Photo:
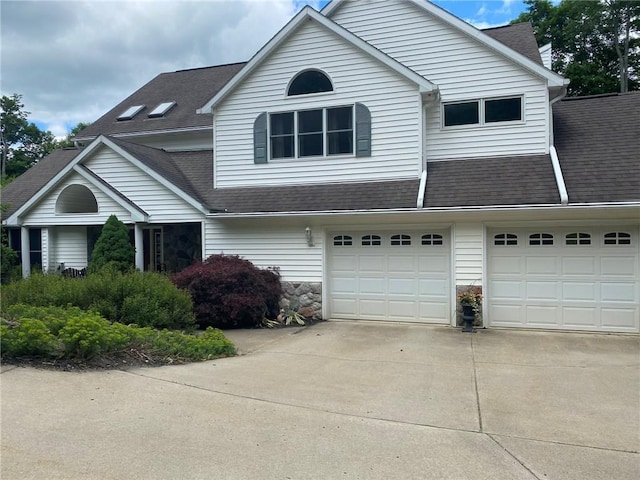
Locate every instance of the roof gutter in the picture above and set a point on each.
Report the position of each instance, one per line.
(479, 208)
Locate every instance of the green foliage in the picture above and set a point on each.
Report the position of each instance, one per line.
(596, 44)
(23, 143)
(29, 336)
(89, 335)
(113, 249)
(68, 141)
(68, 332)
(8, 256)
(144, 299)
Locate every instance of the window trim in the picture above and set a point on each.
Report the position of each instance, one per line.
(482, 123)
(614, 239)
(581, 239)
(325, 134)
(506, 239)
(544, 239)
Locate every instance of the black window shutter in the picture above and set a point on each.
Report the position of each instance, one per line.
(363, 131)
(260, 139)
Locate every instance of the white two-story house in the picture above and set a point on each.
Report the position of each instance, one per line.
(384, 155)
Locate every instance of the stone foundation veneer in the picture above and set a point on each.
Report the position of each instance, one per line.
(304, 298)
(478, 321)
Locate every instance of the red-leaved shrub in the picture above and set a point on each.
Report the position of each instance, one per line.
(230, 292)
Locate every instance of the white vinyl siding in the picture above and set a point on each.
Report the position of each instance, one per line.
(69, 246)
(469, 253)
(45, 212)
(268, 246)
(161, 204)
(462, 68)
(393, 101)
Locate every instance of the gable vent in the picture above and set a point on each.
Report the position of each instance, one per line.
(161, 110)
(130, 112)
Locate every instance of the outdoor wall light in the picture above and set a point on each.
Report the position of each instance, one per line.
(309, 235)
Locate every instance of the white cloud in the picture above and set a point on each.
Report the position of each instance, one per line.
(74, 60)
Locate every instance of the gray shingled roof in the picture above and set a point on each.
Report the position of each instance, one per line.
(598, 144)
(189, 88)
(522, 180)
(18, 192)
(518, 37)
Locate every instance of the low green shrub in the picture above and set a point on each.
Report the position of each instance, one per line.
(145, 299)
(88, 335)
(29, 336)
(69, 332)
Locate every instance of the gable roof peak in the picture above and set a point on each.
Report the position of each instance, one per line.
(308, 13)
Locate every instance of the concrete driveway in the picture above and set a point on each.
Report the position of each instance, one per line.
(347, 400)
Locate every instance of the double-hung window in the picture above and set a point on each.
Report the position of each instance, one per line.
(312, 133)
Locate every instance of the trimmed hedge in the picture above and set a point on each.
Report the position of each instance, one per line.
(230, 292)
(144, 299)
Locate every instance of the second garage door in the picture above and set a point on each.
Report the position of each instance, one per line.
(583, 278)
(401, 275)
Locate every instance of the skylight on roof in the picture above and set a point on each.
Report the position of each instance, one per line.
(161, 109)
(130, 112)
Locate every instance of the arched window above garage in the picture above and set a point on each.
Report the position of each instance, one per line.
(76, 199)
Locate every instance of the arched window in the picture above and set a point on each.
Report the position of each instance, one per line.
(432, 239)
(342, 241)
(540, 239)
(76, 199)
(371, 240)
(505, 239)
(400, 239)
(617, 238)
(578, 238)
(309, 81)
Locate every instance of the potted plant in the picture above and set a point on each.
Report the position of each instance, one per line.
(470, 300)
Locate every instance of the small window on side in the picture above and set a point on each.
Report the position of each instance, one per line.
(505, 239)
(461, 114)
(432, 239)
(503, 110)
(342, 241)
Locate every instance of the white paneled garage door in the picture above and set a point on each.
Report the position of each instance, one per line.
(583, 278)
(401, 275)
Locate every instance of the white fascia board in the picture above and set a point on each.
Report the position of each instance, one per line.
(15, 219)
(553, 79)
(308, 13)
(153, 174)
(137, 213)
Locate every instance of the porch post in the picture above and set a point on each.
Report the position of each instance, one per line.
(25, 247)
(137, 231)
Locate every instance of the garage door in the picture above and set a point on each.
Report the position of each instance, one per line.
(576, 279)
(401, 275)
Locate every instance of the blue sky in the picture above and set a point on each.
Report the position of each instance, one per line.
(74, 60)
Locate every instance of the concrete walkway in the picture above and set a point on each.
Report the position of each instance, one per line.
(348, 400)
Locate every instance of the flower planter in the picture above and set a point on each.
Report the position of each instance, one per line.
(468, 316)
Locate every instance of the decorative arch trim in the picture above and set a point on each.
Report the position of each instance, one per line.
(76, 198)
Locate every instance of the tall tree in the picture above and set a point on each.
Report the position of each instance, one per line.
(23, 143)
(68, 141)
(596, 44)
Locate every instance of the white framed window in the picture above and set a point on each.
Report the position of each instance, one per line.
(343, 241)
(371, 240)
(483, 111)
(431, 239)
(617, 238)
(400, 239)
(505, 239)
(578, 238)
(312, 133)
(309, 81)
(540, 239)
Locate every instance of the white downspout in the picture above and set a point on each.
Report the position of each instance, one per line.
(557, 171)
(422, 188)
(555, 161)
